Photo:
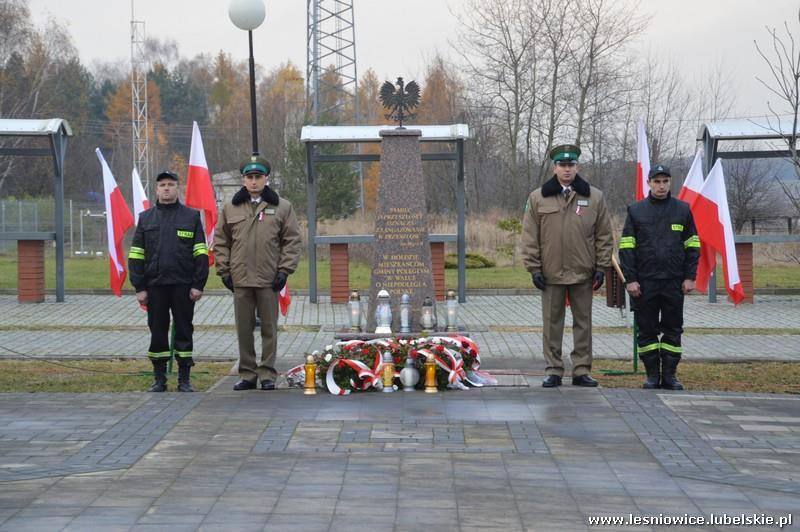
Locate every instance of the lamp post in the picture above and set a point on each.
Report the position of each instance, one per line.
(248, 15)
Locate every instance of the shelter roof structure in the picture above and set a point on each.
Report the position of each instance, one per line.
(57, 130)
(435, 133)
(769, 127)
(13, 127)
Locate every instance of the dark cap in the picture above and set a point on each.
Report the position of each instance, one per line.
(166, 174)
(659, 169)
(255, 164)
(565, 152)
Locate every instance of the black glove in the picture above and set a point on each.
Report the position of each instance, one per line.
(538, 280)
(597, 280)
(279, 282)
(228, 282)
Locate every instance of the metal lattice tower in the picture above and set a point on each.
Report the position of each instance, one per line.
(141, 145)
(331, 42)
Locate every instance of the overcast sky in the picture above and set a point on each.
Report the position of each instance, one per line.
(398, 37)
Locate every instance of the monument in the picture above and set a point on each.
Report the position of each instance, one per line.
(401, 262)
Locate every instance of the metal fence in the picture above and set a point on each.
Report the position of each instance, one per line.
(84, 224)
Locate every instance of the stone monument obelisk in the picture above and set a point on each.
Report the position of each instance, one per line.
(401, 261)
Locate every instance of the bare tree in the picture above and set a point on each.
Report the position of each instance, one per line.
(750, 192)
(665, 107)
(604, 28)
(496, 47)
(29, 60)
(783, 61)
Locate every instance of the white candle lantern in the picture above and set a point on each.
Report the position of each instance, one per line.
(383, 314)
(427, 317)
(452, 310)
(354, 307)
(405, 314)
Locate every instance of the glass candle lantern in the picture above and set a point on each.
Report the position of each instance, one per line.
(354, 307)
(383, 314)
(452, 310)
(427, 317)
(405, 314)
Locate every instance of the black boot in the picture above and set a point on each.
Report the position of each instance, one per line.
(652, 364)
(184, 372)
(160, 375)
(669, 368)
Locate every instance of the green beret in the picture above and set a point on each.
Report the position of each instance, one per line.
(565, 152)
(255, 164)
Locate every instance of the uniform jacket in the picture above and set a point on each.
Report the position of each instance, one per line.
(659, 241)
(567, 239)
(252, 243)
(169, 247)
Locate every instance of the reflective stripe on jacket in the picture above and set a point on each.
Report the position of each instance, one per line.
(168, 247)
(659, 241)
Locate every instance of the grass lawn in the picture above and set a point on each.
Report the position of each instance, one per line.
(98, 375)
(757, 377)
(92, 273)
(135, 376)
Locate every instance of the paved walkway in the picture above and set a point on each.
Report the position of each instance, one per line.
(521, 458)
(507, 458)
(508, 329)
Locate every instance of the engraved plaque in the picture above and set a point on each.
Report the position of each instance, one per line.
(401, 261)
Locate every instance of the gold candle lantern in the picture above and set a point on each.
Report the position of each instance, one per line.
(310, 386)
(387, 373)
(430, 376)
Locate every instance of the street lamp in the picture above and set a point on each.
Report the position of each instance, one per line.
(248, 15)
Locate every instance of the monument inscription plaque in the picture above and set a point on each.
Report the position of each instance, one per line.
(401, 261)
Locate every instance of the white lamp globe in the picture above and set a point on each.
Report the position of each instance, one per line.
(247, 14)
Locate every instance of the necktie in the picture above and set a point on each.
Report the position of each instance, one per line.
(567, 190)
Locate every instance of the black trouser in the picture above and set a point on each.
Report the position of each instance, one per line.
(160, 301)
(659, 311)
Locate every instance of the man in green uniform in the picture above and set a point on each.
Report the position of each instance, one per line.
(257, 245)
(566, 246)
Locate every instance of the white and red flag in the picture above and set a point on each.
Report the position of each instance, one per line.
(285, 299)
(140, 201)
(642, 163)
(199, 191)
(713, 220)
(689, 193)
(118, 220)
(694, 180)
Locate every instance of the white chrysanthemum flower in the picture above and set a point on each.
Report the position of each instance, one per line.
(328, 357)
(328, 347)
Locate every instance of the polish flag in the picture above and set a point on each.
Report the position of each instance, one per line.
(694, 180)
(199, 191)
(713, 220)
(285, 299)
(140, 201)
(118, 220)
(689, 193)
(642, 163)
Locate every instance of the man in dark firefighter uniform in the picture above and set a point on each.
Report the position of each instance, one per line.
(168, 263)
(658, 253)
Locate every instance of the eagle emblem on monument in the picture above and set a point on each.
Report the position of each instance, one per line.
(400, 101)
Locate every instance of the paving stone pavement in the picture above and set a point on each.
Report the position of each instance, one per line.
(506, 458)
(522, 458)
(508, 328)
